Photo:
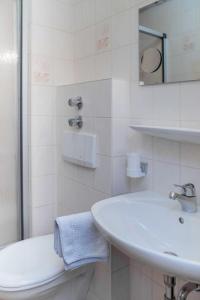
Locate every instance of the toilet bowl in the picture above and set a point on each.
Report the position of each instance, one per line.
(30, 269)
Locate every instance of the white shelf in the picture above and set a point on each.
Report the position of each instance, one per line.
(170, 133)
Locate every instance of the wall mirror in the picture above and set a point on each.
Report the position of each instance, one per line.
(169, 42)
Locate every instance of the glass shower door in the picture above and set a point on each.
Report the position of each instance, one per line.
(9, 121)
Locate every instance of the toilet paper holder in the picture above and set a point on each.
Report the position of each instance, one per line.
(136, 168)
(144, 168)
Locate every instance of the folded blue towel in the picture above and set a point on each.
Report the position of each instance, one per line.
(78, 242)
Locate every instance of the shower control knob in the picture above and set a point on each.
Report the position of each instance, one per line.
(76, 122)
(76, 102)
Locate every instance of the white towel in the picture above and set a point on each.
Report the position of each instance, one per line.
(78, 242)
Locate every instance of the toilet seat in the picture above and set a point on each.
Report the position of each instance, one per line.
(31, 270)
(28, 264)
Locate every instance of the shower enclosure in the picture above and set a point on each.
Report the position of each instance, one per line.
(10, 122)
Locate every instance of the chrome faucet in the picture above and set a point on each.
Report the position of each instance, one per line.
(187, 198)
(76, 122)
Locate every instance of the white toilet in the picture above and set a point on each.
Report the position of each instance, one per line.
(30, 269)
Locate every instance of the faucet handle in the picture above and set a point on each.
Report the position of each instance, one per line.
(188, 189)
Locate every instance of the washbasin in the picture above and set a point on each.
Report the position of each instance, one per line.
(153, 229)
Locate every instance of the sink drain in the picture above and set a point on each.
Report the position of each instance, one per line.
(170, 253)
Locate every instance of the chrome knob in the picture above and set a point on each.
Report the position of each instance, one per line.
(76, 122)
(76, 102)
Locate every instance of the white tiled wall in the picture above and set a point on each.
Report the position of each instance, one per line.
(78, 188)
(109, 28)
(51, 60)
(104, 34)
(115, 36)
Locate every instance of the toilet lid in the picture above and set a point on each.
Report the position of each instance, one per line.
(29, 263)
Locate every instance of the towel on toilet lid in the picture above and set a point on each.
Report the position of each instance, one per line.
(78, 242)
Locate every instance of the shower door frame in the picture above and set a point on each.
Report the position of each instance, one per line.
(163, 38)
(22, 166)
(23, 138)
(20, 122)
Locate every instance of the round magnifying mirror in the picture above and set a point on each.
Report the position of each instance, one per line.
(151, 60)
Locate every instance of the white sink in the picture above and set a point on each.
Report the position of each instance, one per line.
(146, 226)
